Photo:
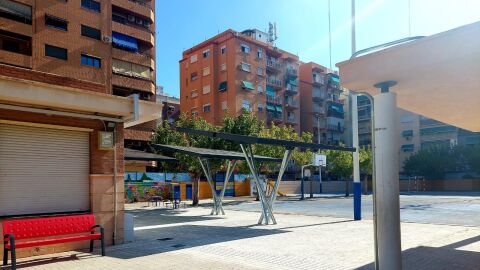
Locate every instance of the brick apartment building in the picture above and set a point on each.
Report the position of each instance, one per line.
(233, 71)
(67, 73)
(321, 104)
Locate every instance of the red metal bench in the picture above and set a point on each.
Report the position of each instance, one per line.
(23, 233)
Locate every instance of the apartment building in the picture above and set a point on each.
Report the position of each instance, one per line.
(233, 71)
(321, 105)
(67, 73)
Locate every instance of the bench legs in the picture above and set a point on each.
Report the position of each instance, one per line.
(5, 256)
(102, 241)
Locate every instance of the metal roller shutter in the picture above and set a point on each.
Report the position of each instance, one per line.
(43, 170)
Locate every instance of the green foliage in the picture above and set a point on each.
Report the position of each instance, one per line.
(431, 162)
(366, 160)
(339, 163)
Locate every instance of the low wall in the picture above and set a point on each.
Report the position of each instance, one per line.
(294, 187)
(441, 185)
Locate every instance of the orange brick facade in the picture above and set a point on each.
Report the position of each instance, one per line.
(220, 60)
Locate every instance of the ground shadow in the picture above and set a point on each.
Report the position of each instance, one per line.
(171, 238)
(50, 260)
(439, 258)
(162, 216)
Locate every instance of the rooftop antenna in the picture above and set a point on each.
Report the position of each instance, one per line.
(272, 32)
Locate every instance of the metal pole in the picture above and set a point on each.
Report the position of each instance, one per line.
(354, 49)
(318, 128)
(329, 34)
(357, 185)
(115, 208)
(320, 178)
(387, 203)
(302, 185)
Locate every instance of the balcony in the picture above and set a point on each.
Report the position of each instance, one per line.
(15, 59)
(318, 96)
(274, 100)
(334, 128)
(143, 59)
(291, 120)
(318, 79)
(274, 117)
(291, 104)
(143, 8)
(318, 110)
(291, 72)
(274, 82)
(133, 83)
(144, 36)
(273, 66)
(291, 89)
(16, 27)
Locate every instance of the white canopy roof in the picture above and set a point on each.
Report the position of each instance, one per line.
(438, 76)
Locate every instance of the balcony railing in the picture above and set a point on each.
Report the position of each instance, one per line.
(274, 82)
(274, 116)
(318, 110)
(332, 128)
(291, 120)
(142, 3)
(291, 72)
(273, 64)
(318, 96)
(276, 100)
(291, 103)
(291, 89)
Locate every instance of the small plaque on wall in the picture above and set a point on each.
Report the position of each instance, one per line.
(105, 140)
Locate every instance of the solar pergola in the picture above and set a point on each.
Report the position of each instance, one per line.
(137, 155)
(204, 156)
(246, 142)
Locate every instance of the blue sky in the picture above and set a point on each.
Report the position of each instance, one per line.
(302, 25)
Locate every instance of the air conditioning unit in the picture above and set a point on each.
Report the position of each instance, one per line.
(107, 39)
(131, 18)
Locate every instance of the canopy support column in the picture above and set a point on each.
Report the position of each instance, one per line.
(273, 195)
(230, 167)
(266, 208)
(205, 163)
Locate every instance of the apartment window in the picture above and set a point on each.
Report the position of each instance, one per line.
(206, 108)
(245, 48)
(223, 49)
(206, 53)
(194, 112)
(223, 86)
(91, 32)
(193, 58)
(16, 11)
(260, 107)
(260, 71)
(57, 23)
(16, 43)
(194, 93)
(245, 67)
(259, 53)
(193, 76)
(206, 71)
(260, 88)
(131, 69)
(206, 89)
(91, 5)
(92, 61)
(246, 104)
(57, 52)
(223, 67)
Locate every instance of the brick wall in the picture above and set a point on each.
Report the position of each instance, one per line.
(101, 177)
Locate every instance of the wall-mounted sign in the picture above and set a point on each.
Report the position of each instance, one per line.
(105, 140)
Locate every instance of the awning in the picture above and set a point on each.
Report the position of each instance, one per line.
(439, 71)
(247, 85)
(270, 107)
(124, 41)
(223, 86)
(279, 108)
(131, 154)
(334, 78)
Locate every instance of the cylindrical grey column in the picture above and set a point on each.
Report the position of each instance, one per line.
(387, 182)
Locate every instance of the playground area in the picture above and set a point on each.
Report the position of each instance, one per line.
(316, 233)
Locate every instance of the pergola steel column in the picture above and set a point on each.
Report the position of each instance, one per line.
(266, 200)
(217, 199)
(387, 184)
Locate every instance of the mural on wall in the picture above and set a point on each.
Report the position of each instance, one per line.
(137, 192)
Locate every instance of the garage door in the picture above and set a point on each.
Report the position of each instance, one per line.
(43, 170)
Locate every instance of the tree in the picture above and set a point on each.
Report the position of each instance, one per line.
(366, 165)
(430, 162)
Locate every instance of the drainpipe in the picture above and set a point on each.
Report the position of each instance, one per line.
(114, 237)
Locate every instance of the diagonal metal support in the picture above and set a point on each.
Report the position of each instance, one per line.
(205, 163)
(267, 210)
(273, 195)
(230, 167)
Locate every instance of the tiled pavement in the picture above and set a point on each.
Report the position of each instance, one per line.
(192, 239)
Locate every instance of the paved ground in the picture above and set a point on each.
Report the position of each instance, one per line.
(192, 239)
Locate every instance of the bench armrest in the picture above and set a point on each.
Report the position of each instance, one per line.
(92, 229)
(8, 238)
